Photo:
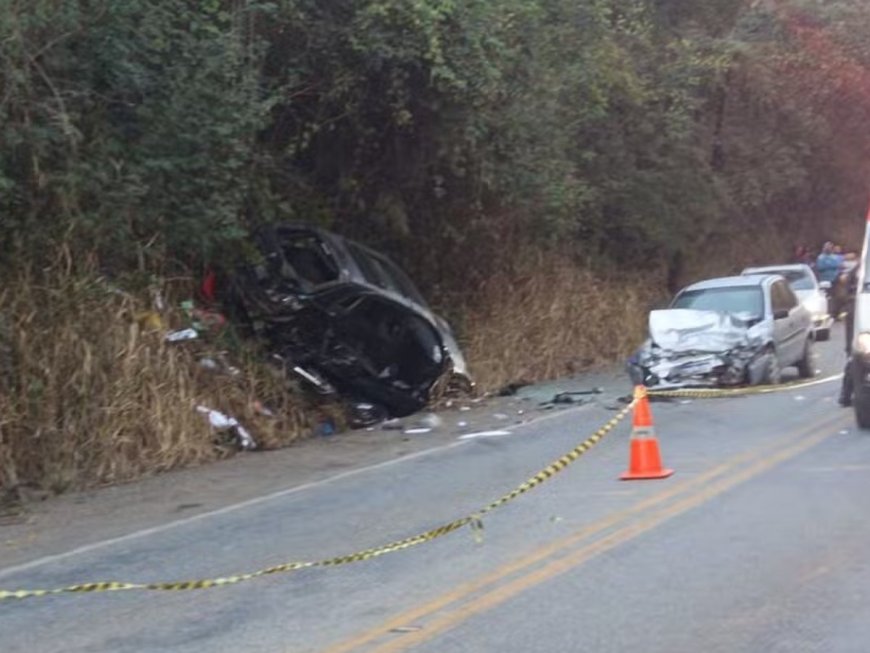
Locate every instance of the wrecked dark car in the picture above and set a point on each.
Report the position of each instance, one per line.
(345, 320)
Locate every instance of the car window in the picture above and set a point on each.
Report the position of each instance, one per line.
(401, 280)
(311, 259)
(373, 273)
(781, 297)
(381, 272)
(801, 279)
(798, 279)
(791, 300)
(740, 300)
(776, 299)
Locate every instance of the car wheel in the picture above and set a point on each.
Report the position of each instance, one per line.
(772, 372)
(823, 335)
(861, 402)
(806, 366)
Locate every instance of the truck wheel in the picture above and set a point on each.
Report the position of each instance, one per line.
(861, 402)
(806, 366)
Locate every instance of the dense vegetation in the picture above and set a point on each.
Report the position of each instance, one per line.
(506, 151)
(630, 128)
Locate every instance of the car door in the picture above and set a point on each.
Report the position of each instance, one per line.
(803, 321)
(790, 325)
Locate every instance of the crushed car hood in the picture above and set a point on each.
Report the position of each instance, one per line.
(699, 349)
(683, 331)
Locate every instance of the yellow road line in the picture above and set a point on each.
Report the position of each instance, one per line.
(464, 590)
(558, 567)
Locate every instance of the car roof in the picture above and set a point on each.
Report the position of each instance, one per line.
(785, 267)
(748, 281)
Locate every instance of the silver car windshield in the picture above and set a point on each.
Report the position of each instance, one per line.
(737, 300)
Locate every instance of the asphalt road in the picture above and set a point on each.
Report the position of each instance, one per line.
(758, 543)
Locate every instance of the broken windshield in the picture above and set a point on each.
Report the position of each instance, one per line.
(310, 259)
(735, 300)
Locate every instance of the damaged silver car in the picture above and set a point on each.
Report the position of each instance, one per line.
(726, 332)
(345, 319)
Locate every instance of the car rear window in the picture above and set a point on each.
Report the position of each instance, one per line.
(797, 279)
(744, 300)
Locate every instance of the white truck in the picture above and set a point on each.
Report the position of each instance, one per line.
(859, 360)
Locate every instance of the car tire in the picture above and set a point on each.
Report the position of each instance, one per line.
(823, 335)
(806, 366)
(861, 403)
(772, 371)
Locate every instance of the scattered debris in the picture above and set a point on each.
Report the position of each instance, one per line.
(484, 434)
(221, 422)
(258, 408)
(150, 320)
(363, 414)
(565, 398)
(326, 428)
(569, 398)
(430, 420)
(406, 629)
(417, 431)
(219, 366)
(208, 320)
(314, 380)
(209, 364)
(572, 395)
(512, 388)
(394, 424)
(182, 335)
(500, 416)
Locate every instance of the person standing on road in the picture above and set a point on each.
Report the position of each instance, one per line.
(828, 264)
(846, 388)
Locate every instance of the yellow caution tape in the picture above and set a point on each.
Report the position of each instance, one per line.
(474, 520)
(715, 393)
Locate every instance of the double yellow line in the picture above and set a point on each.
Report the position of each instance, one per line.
(448, 610)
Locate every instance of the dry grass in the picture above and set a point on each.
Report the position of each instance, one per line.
(546, 317)
(89, 397)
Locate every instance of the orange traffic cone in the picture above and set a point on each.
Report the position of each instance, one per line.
(645, 461)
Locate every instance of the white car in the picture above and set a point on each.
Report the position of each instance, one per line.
(809, 291)
(726, 332)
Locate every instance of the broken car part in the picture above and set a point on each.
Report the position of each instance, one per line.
(344, 318)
